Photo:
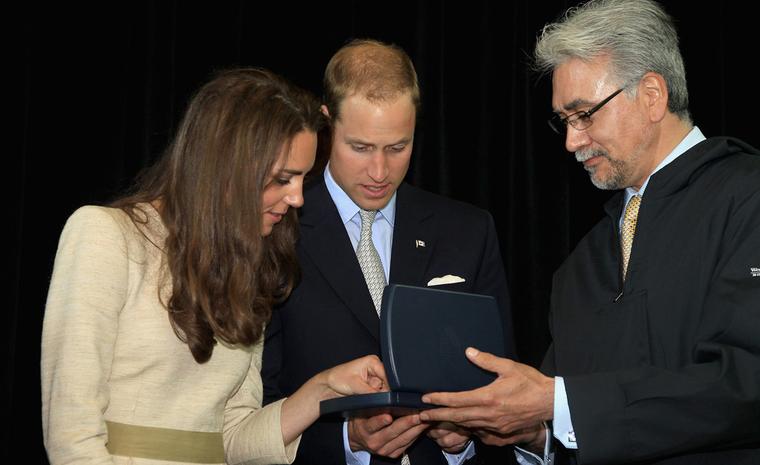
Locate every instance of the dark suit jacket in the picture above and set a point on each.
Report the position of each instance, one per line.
(330, 319)
(665, 367)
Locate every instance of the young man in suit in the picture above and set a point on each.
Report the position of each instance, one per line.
(372, 99)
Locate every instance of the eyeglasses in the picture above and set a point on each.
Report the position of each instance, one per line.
(580, 120)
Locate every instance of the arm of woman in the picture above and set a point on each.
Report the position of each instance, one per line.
(361, 376)
(269, 435)
(87, 292)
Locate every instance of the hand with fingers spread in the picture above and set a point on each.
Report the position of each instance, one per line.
(450, 438)
(384, 435)
(517, 400)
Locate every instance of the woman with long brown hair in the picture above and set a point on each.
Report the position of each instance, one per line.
(151, 345)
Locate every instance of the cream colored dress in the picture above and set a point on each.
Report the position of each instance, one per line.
(109, 354)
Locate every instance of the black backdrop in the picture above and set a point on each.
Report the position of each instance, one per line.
(97, 90)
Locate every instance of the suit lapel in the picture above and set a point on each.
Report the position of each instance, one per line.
(414, 237)
(325, 241)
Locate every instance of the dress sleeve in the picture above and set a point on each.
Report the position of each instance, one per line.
(252, 433)
(87, 291)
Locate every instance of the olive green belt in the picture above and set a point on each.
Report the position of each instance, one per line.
(164, 444)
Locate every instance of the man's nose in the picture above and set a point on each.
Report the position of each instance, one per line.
(576, 139)
(378, 167)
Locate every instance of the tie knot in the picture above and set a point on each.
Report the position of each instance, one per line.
(632, 209)
(368, 217)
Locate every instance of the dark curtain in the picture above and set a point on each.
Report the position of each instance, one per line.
(96, 91)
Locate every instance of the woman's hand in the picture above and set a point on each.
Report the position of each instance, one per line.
(364, 375)
(361, 376)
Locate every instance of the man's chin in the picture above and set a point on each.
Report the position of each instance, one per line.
(607, 184)
(373, 203)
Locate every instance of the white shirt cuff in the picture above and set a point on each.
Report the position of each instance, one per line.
(460, 458)
(563, 424)
(526, 457)
(360, 457)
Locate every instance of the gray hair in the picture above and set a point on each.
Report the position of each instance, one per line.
(637, 35)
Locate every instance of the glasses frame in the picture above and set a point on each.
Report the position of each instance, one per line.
(580, 120)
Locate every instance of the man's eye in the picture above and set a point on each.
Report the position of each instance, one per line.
(397, 148)
(360, 148)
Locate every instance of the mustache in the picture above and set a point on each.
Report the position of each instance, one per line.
(583, 155)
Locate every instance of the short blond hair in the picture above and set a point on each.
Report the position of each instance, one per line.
(377, 71)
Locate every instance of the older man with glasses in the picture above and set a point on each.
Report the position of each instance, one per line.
(655, 315)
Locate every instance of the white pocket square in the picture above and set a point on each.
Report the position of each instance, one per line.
(448, 279)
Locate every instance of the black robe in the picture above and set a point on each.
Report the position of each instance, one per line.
(665, 367)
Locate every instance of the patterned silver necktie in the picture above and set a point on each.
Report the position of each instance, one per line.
(369, 259)
(372, 268)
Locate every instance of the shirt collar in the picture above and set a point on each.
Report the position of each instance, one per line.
(694, 137)
(347, 209)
